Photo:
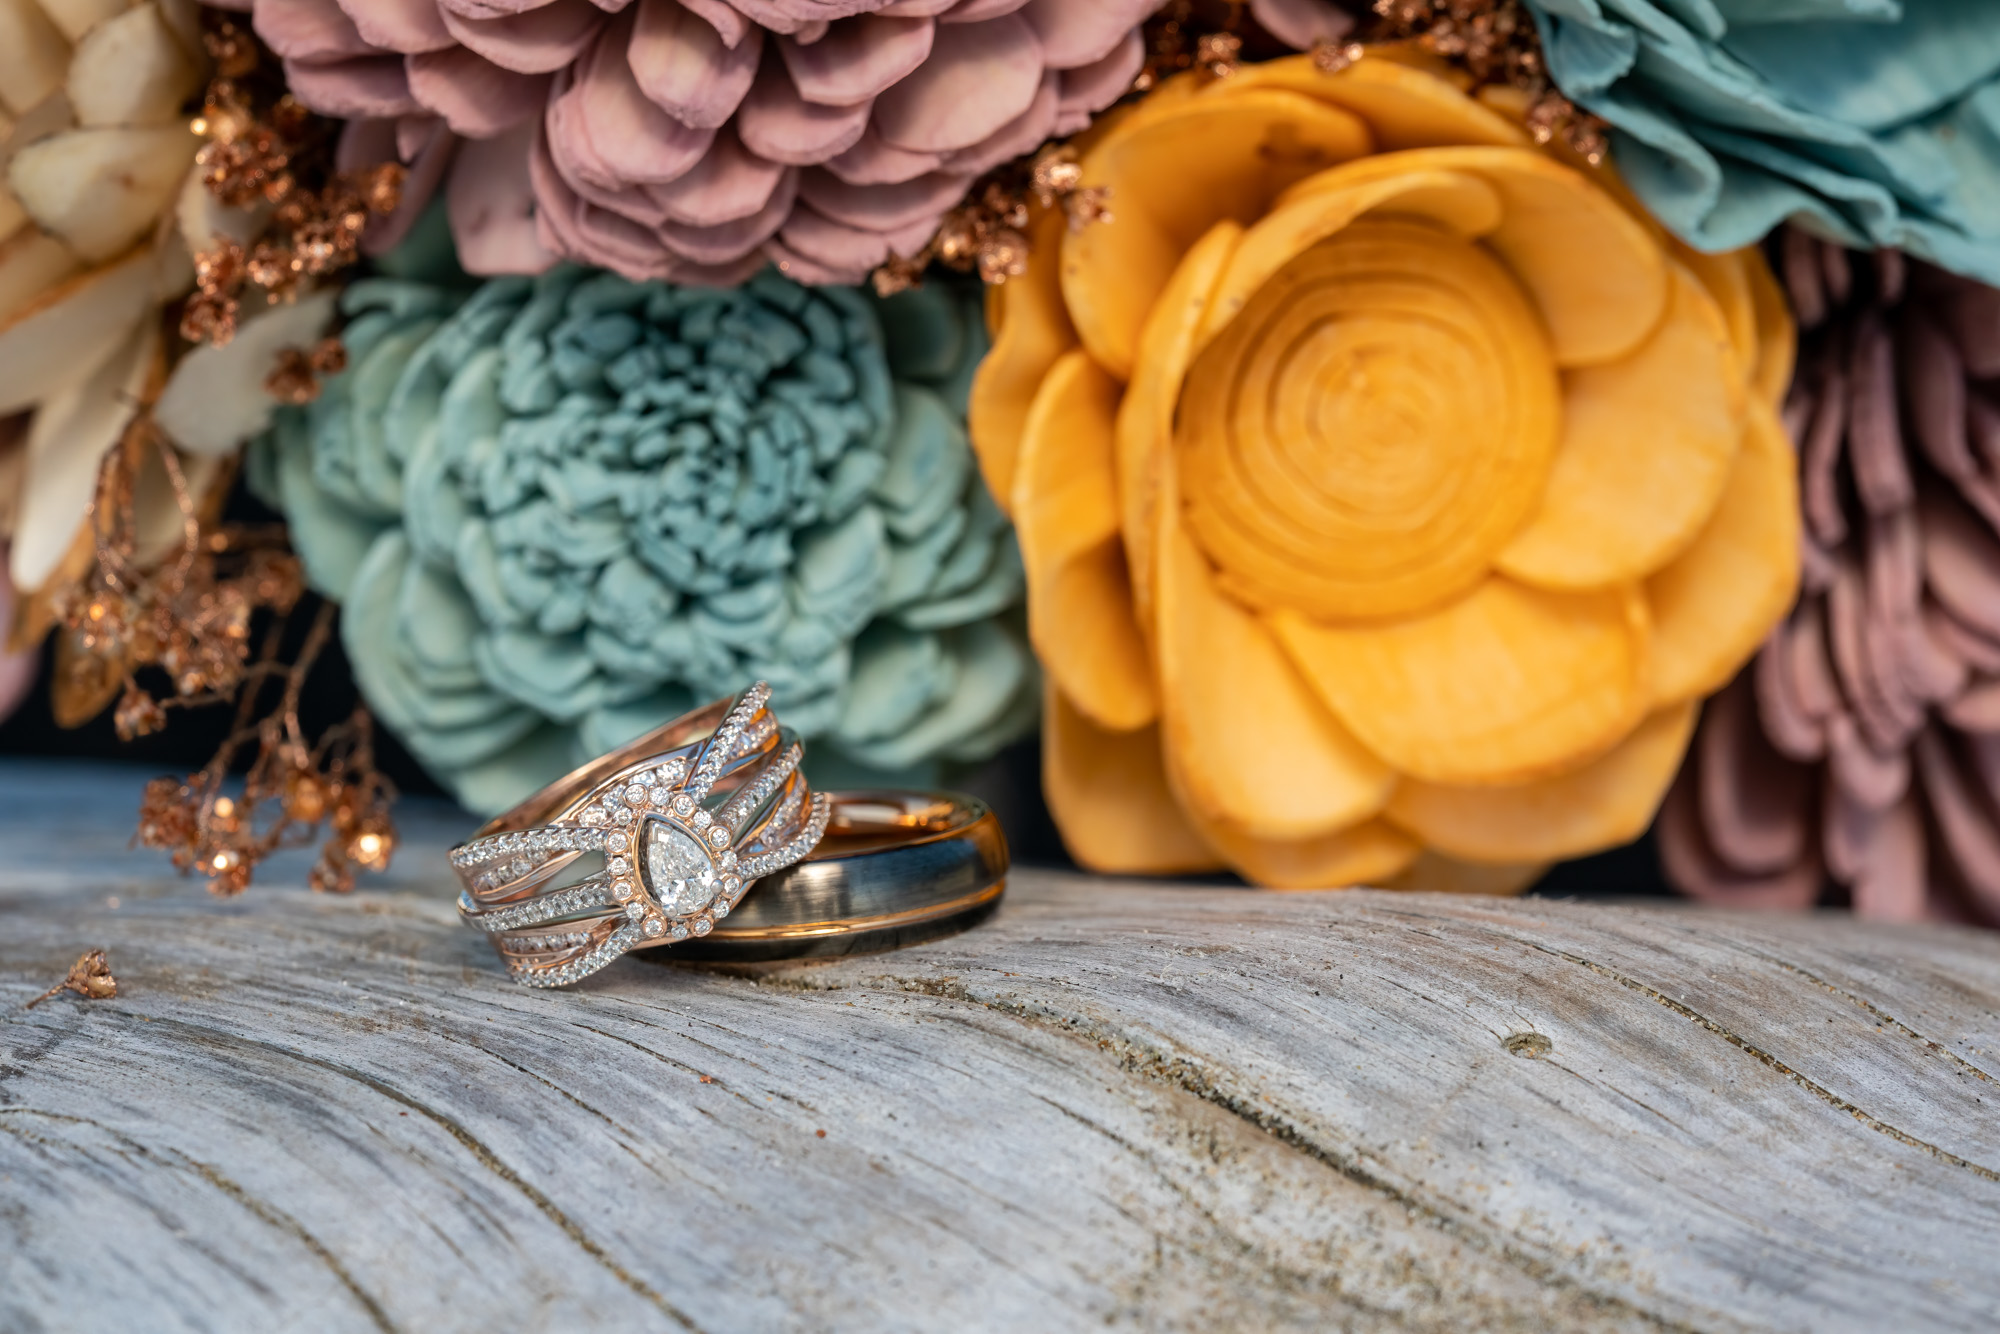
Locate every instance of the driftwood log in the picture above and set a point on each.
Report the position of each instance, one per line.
(1114, 1106)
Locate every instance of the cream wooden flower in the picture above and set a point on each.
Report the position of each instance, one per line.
(99, 209)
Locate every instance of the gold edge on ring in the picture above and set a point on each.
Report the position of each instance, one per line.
(856, 925)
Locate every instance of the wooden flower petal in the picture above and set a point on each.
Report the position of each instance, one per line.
(1080, 614)
(1647, 444)
(1756, 805)
(215, 399)
(1372, 428)
(1596, 273)
(1777, 335)
(1961, 562)
(1031, 329)
(1404, 107)
(1607, 802)
(857, 60)
(1508, 684)
(1323, 205)
(1715, 603)
(929, 112)
(686, 68)
(528, 40)
(31, 262)
(1367, 854)
(1890, 883)
(1108, 794)
(1965, 820)
(1696, 870)
(72, 432)
(131, 70)
(1726, 279)
(33, 56)
(1247, 744)
(1434, 873)
(68, 331)
(1175, 174)
(1146, 416)
(101, 190)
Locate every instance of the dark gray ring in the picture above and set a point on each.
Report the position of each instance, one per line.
(895, 868)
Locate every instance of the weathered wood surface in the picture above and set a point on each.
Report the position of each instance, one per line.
(1116, 1105)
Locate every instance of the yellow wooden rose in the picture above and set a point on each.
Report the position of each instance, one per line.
(1390, 491)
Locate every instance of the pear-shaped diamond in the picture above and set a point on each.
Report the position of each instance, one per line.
(679, 871)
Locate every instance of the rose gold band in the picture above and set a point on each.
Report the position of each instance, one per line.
(686, 819)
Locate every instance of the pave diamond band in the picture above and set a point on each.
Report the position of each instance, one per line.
(685, 820)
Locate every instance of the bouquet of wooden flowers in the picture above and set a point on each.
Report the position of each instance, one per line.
(1410, 445)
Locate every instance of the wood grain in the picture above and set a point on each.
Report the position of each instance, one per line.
(1116, 1105)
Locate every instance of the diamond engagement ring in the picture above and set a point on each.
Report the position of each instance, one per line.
(685, 819)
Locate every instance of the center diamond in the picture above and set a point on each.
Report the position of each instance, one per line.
(680, 874)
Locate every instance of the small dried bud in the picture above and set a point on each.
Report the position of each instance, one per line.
(1087, 206)
(329, 356)
(1003, 256)
(89, 977)
(138, 713)
(1333, 57)
(897, 275)
(305, 796)
(292, 379)
(372, 848)
(1219, 53)
(232, 50)
(331, 874)
(1055, 173)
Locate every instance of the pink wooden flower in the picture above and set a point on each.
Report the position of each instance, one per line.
(1864, 742)
(695, 140)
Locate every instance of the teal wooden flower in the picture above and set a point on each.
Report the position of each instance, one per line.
(1874, 122)
(561, 510)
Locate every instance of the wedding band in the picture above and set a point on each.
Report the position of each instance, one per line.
(895, 868)
(687, 819)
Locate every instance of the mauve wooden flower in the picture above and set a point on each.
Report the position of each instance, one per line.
(695, 140)
(1864, 741)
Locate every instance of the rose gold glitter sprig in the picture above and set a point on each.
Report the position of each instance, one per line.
(987, 234)
(266, 152)
(89, 977)
(1497, 43)
(1213, 36)
(293, 787)
(296, 377)
(190, 619)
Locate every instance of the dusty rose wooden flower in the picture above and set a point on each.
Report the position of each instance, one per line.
(694, 140)
(1864, 741)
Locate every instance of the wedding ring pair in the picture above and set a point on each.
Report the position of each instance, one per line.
(685, 821)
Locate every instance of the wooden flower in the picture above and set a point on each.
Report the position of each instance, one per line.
(1388, 488)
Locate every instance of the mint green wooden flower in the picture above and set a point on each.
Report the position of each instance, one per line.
(1873, 122)
(560, 510)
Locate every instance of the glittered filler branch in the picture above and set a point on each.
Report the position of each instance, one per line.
(1494, 43)
(271, 161)
(189, 619)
